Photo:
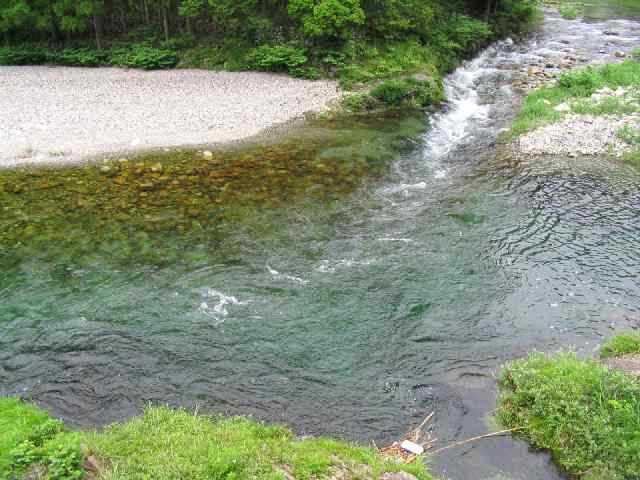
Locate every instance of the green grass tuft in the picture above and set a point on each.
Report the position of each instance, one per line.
(30, 437)
(623, 344)
(576, 87)
(165, 444)
(586, 414)
(569, 11)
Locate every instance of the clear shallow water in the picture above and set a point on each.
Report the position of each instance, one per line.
(365, 276)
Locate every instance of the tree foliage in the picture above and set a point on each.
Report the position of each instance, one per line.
(257, 21)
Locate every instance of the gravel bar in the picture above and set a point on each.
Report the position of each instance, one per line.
(578, 135)
(62, 115)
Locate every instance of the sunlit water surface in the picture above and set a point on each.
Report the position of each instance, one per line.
(346, 282)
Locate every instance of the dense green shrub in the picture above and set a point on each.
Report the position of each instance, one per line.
(279, 58)
(83, 57)
(460, 34)
(581, 83)
(397, 19)
(28, 436)
(135, 56)
(584, 413)
(327, 18)
(515, 17)
(24, 55)
(569, 11)
(359, 102)
(409, 91)
(145, 57)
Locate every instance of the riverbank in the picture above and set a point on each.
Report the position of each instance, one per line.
(585, 412)
(587, 112)
(169, 444)
(63, 115)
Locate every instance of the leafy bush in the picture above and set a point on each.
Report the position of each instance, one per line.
(409, 91)
(64, 462)
(584, 413)
(359, 102)
(82, 57)
(581, 83)
(24, 455)
(282, 58)
(460, 35)
(397, 19)
(515, 17)
(145, 57)
(568, 11)
(23, 55)
(327, 18)
(29, 437)
(623, 344)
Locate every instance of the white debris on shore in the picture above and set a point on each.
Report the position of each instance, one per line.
(62, 114)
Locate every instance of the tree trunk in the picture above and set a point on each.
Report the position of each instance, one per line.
(487, 12)
(165, 22)
(123, 17)
(97, 24)
(145, 7)
(55, 28)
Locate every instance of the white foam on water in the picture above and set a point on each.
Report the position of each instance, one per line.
(394, 239)
(326, 266)
(219, 310)
(277, 274)
(405, 187)
(452, 126)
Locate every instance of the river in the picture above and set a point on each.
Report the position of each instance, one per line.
(348, 281)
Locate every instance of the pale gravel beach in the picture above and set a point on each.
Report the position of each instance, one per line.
(61, 114)
(578, 135)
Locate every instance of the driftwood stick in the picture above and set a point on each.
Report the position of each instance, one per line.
(418, 429)
(469, 440)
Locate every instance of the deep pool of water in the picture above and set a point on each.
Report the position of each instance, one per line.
(347, 281)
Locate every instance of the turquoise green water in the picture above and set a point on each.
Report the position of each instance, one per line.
(346, 281)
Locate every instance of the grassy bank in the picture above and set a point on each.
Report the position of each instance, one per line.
(574, 94)
(175, 444)
(572, 9)
(623, 344)
(585, 413)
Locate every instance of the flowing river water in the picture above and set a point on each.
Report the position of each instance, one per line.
(347, 281)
